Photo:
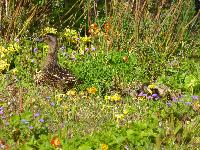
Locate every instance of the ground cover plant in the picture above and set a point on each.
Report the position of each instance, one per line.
(140, 67)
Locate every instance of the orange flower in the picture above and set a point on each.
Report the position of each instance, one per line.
(106, 27)
(93, 29)
(55, 142)
(104, 147)
(92, 90)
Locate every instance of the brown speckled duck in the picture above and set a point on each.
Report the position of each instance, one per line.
(52, 73)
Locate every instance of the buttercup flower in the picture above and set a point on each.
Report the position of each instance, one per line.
(115, 97)
(71, 93)
(104, 147)
(91, 90)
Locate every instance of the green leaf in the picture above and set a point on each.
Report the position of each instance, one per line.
(190, 81)
(84, 147)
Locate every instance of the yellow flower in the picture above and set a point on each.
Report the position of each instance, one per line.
(91, 90)
(3, 65)
(152, 86)
(14, 71)
(115, 97)
(71, 93)
(3, 51)
(196, 106)
(125, 111)
(107, 97)
(104, 147)
(85, 39)
(50, 30)
(13, 47)
(119, 116)
(59, 97)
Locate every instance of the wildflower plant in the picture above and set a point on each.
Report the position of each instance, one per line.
(110, 109)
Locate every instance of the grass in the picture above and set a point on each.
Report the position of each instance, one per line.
(141, 84)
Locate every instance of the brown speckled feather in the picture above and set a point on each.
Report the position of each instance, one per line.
(52, 73)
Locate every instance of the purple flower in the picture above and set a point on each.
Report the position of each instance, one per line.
(32, 60)
(195, 97)
(93, 48)
(1, 112)
(149, 97)
(180, 96)
(155, 95)
(174, 100)
(145, 95)
(52, 104)
(3, 117)
(41, 120)
(36, 115)
(169, 104)
(73, 57)
(35, 50)
(77, 39)
(188, 103)
(24, 121)
(141, 94)
(1, 108)
(16, 40)
(62, 48)
(87, 49)
(7, 123)
(31, 127)
(48, 97)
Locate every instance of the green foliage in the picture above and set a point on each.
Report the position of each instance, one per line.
(131, 52)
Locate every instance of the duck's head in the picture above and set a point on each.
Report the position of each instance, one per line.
(50, 39)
